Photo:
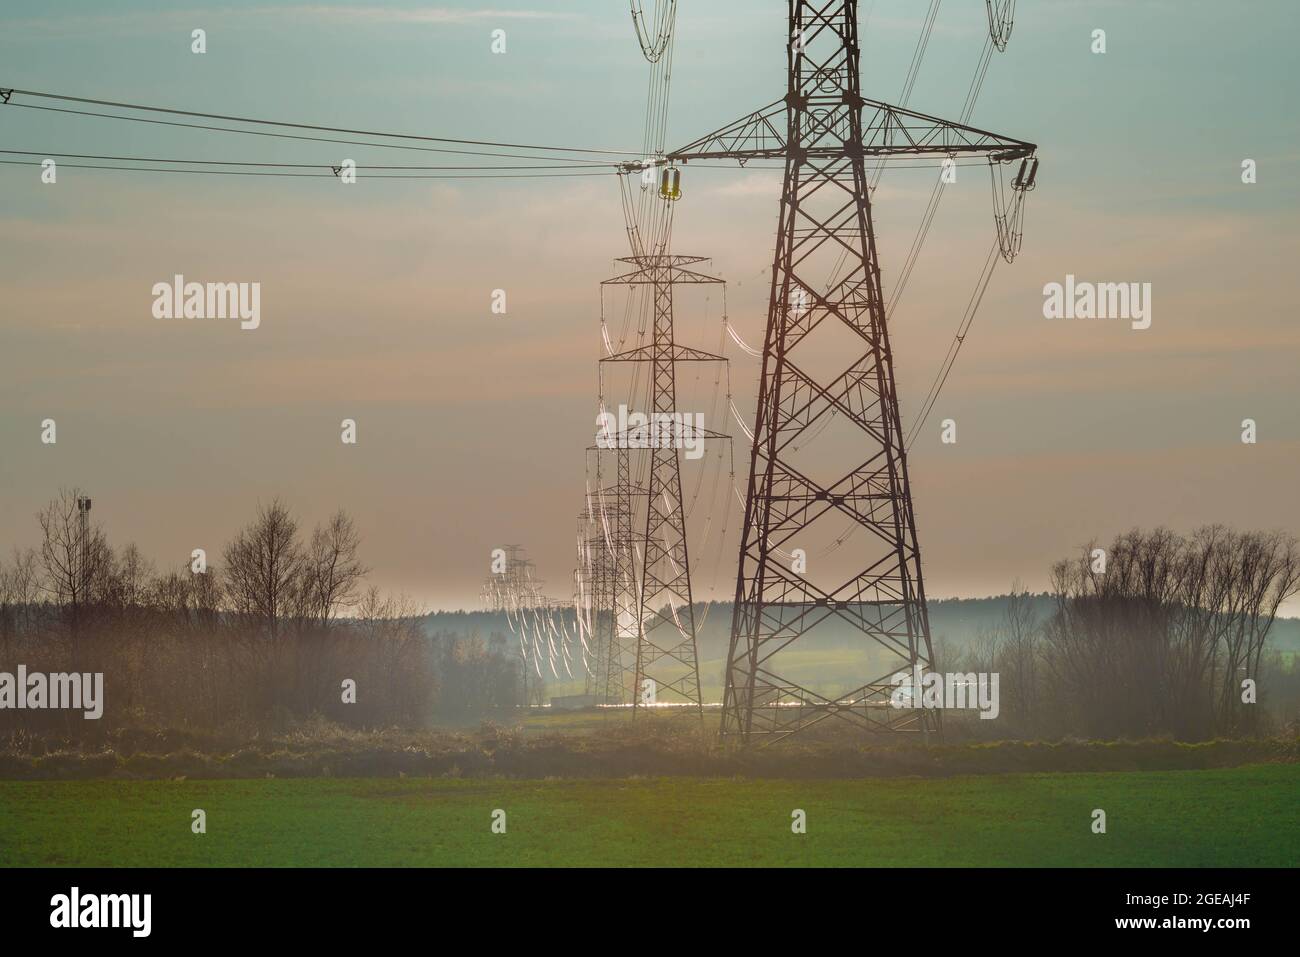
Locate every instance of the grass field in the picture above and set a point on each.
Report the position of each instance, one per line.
(830, 671)
(1239, 816)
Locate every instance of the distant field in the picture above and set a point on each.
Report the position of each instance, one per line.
(827, 670)
(1240, 816)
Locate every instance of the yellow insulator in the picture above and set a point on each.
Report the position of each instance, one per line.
(670, 183)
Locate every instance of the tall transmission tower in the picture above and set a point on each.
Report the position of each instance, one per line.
(666, 653)
(826, 356)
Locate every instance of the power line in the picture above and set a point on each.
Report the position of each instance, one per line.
(331, 175)
(279, 136)
(664, 19)
(963, 327)
(305, 126)
(154, 159)
(550, 165)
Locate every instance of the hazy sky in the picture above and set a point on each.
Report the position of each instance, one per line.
(375, 297)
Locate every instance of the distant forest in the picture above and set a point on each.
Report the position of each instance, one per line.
(1170, 635)
(959, 621)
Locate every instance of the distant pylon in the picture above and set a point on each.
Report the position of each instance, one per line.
(611, 554)
(516, 592)
(596, 600)
(620, 675)
(667, 665)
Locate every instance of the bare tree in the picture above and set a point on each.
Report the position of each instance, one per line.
(20, 592)
(1018, 654)
(389, 641)
(8, 611)
(73, 559)
(207, 592)
(264, 567)
(1270, 574)
(331, 569)
(1162, 638)
(126, 580)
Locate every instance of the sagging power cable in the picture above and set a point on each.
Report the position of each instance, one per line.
(113, 104)
(316, 166)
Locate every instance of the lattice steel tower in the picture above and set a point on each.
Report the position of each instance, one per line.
(595, 586)
(611, 573)
(666, 653)
(827, 363)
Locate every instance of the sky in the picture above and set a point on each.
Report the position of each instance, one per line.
(472, 426)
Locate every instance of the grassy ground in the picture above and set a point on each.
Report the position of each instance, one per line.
(830, 671)
(1239, 816)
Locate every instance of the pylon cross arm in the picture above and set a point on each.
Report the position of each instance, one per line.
(675, 352)
(886, 131)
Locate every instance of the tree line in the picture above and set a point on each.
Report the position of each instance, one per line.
(265, 634)
(1156, 634)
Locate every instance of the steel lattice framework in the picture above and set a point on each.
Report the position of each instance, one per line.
(620, 676)
(826, 285)
(666, 654)
(596, 564)
(611, 569)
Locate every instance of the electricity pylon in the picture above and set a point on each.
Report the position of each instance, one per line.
(620, 682)
(610, 568)
(595, 586)
(516, 592)
(666, 654)
(825, 130)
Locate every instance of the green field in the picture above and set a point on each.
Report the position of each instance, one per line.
(1240, 816)
(830, 671)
